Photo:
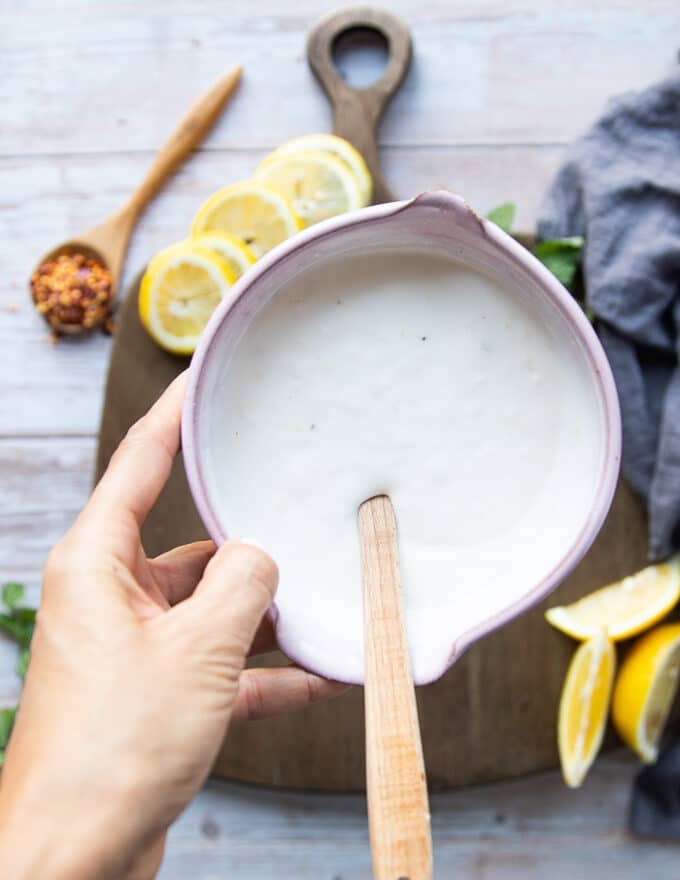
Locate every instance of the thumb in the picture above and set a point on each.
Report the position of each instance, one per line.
(237, 588)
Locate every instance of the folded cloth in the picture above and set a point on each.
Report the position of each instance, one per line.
(619, 188)
(655, 809)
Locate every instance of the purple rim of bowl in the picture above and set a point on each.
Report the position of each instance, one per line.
(611, 444)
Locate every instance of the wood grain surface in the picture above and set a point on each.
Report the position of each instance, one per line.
(496, 90)
(527, 829)
(396, 789)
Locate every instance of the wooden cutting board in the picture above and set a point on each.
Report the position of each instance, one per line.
(493, 715)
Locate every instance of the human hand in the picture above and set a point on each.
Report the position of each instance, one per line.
(136, 671)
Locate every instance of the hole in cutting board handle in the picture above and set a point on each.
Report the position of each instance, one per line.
(360, 55)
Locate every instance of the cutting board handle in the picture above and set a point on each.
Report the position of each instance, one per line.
(357, 112)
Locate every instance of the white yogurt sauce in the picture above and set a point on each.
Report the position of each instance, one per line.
(412, 376)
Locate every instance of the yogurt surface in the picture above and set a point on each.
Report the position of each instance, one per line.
(407, 374)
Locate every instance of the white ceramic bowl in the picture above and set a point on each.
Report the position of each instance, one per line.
(439, 221)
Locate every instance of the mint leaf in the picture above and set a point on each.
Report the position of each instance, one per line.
(12, 594)
(503, 216)
(22, 662)
(19, 625)
(13, 628)
(6, 724)
(562, 256)
(25, 616)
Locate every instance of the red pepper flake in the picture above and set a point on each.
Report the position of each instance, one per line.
(73, 290)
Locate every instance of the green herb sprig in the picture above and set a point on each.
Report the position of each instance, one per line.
(18, 623)
(561, 255)
(503, 216)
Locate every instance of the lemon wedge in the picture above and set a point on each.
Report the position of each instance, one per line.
(317, 185)
(180, 289)
(645, 689)
(584, 707)
(338, 147)
(624, 608)
(259, 216)
(233, 251)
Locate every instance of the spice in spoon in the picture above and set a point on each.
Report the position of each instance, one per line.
(72, 291)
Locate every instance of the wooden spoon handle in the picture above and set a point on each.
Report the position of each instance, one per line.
(193, 127)
(398, 810)
(357, 112)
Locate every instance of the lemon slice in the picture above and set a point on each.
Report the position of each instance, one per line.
(338, 147)
(236, 254)
(260, 217)
(645, 689)
(584, 707)
(624, 608)
(316, 184)
(180, 289)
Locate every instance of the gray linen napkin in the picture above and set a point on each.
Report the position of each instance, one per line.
(655, 806)
(619, 188)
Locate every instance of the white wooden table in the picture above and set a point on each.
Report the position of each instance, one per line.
(88, 91)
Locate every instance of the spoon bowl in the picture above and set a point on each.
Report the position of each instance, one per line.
(90, 252)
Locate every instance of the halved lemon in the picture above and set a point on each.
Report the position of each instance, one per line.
(235, 252)
(259, 216)
(624, 608)
(180, 289)
(584, 707)
(338, 147)
(645, 689)
(316, 184)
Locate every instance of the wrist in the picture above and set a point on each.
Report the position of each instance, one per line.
(31, 846)
(64, 839)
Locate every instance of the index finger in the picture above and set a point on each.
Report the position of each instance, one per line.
(140, 467)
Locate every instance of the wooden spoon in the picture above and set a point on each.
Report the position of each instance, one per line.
(107, 242)
(398, 809)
